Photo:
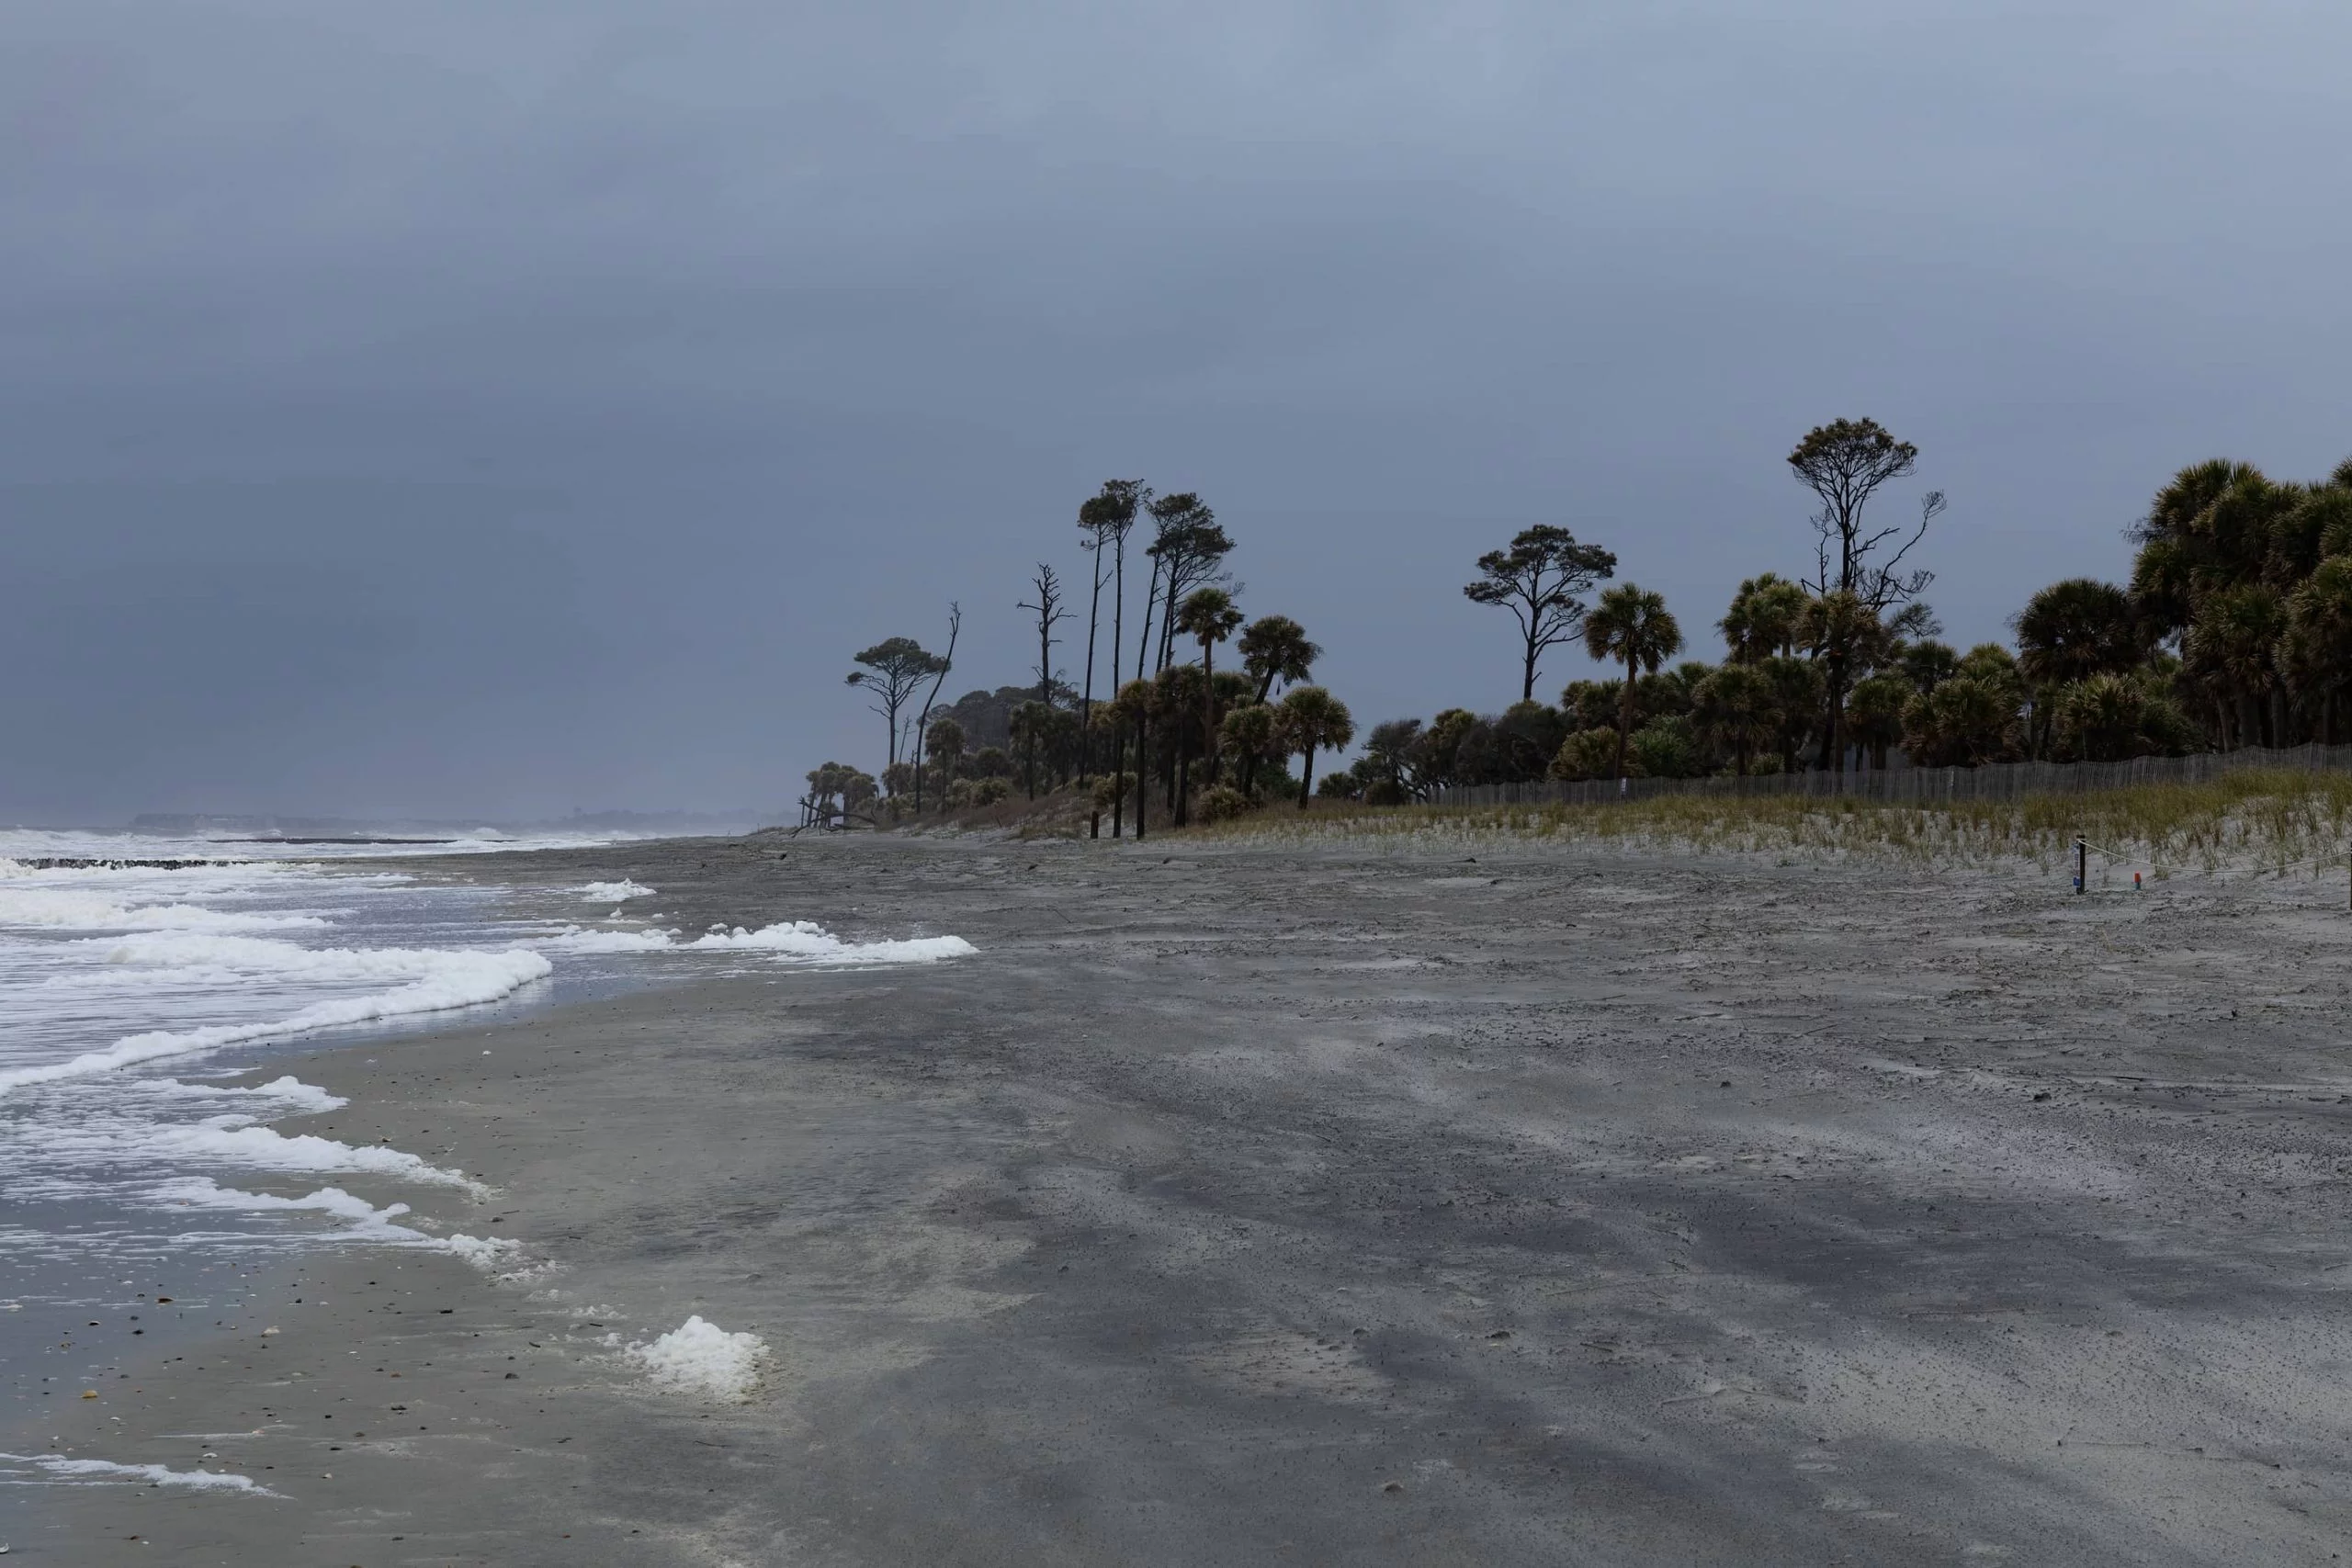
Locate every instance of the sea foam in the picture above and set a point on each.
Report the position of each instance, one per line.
(152, 1474)
(433, 980)
(799, 941)
(701, 1359)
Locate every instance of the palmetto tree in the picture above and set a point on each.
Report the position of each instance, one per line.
(943, 743)
(1846, 635)
(1313, 719)
(1133, 706)
(2075, 629)
(1274, 649)
(2319, 635)
(1631, 625)
(1248, 731)
(1179, 698)
(1874, 713)
(1030, 725)
(1734, 710)
(1208, 614)
(2233, 647)
(1763, 617)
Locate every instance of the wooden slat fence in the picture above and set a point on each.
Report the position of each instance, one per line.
(1997, 780)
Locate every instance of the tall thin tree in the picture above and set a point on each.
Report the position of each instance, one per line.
(894, 668)
(930, 699)
(1538, 579)
(1190, 546)
(1104, 518)
(1844, 463)
(1047, 586)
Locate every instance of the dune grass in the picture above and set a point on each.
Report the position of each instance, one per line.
(2254, 821)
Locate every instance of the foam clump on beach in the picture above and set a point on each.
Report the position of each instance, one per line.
(152, 1474)
(701, 1359)
(615, 892)
(799, 941)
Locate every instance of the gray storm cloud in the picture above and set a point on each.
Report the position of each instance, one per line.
(451, 408)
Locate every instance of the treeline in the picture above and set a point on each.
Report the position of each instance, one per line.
(2234, 629)
(1185, 738)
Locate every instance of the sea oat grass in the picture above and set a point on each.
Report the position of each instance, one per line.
(2253, 822)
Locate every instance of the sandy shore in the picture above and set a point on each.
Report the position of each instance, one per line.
(1236, 1206)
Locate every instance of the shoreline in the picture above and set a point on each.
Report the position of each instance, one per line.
(1260, 1205)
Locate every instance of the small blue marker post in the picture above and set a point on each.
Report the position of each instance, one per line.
(2082, 865)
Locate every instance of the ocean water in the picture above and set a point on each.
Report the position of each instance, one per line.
(146, 1020)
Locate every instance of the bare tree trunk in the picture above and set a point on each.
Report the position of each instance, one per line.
(1306, 778)
(1118, 636)
(1625, 717)
(1143, 646)
(1143, 741)
(1209, 706)
(1086, 701)
(923, 730)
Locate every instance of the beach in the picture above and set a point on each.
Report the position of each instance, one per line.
(1469, 1202)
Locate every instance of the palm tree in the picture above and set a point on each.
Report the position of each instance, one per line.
(2319, 634)
(1134, 706)
(1841, 630)
(2233, 645)
(1733, 708)
(1179, 698)
(1274, 648)
(1927, 663)
(1874, 713)
(1249, 731)
(1762, 619)
(1030, 723)
(1208, 614)
(1796, 703)
(1632, 625)
(2073, 630)
(1312, 719)
(943, 743)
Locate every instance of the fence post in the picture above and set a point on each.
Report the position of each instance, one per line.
(2082, 865)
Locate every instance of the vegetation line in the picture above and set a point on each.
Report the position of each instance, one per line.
(2257, 821)
(2234, 634)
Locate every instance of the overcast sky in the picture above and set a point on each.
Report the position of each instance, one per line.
(454, 408)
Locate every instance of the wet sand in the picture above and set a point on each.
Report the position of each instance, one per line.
(1333, 1206)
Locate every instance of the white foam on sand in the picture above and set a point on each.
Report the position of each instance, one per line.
(104, 1470)
(702, 1360)
(429, 980)
(368, 1221)
(224, 1140)
(802, 941)
(615, 892)
(288, 1095)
